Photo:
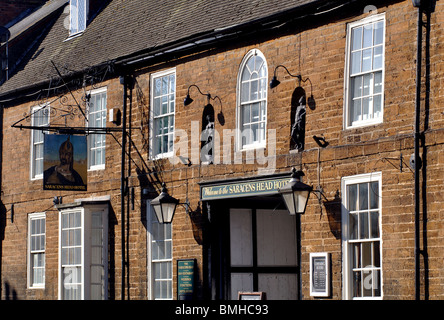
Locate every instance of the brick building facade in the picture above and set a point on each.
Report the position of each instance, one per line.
(356, 139)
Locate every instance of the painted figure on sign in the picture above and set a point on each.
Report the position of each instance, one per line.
(63, 173)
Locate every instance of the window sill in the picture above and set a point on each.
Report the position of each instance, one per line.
(37, 287)
(96, 168)
(363, 124)
(74, 35)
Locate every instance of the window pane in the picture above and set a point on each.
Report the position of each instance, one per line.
(356, 283)
(255, 107)
(355, 112)
(254, 94)
(374, 217)
(374, 195)
(368, 33)
(164, 85)
(164, 103)
(81, 15)
(366, 107)
(376, 254)
(156, 106)
(245, 91)
(376, 283)
(356, 62)
(246, 114)
(367, 84)
(254, 128)
(377, 82)
(356, 84)
(172, 83)
(363, 196)
(368, 283)
(377, 57)
(363, 225)
(367, 254)
(366, 60)
(356, 38)
(352, 196)
(379, 33)
(356, 255)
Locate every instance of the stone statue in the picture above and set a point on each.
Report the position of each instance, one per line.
(298, 127)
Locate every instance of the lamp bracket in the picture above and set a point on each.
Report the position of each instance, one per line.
(209, 97)
(319, 193)
(186, 205)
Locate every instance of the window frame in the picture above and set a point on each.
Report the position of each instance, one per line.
(150, 261)
(153, 135)
(348, 76)
(86, 11)
(239, 104)
(104, 109)
(35, 110)
(86, 211)
(347, 256)
(30, 267)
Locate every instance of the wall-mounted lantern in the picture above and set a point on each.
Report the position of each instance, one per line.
(296, 193)
(164, 206)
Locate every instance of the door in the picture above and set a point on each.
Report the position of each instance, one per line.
(263, 253)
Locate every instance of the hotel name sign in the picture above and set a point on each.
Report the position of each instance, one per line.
(243, 189)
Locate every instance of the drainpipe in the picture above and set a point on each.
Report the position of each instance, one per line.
(417, 159)
(123, 185)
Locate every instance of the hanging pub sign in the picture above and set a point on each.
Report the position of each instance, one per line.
(65, 162)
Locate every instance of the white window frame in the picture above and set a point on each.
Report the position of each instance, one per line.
(31, 284)
(73, 17)
(150, 261)
(100, 166)
(86, 211)
(239, 104)
(153, 139)
(347, 255)
(348, 76)
(35, 110)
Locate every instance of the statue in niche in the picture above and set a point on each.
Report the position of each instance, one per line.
(298, 124)
(207, 136)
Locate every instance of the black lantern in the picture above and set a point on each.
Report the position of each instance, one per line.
(164, 206)
(296, 193)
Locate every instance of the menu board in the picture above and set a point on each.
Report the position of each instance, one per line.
(319, 274)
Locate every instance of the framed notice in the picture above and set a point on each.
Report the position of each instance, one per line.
(319, 274)
(251, 296)
(185, 278)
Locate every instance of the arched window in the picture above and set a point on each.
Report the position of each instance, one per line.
(252, 101)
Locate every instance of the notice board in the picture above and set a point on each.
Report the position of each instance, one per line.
(185, 278)
(319, 274)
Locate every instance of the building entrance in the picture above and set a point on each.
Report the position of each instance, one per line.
(263, 254)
